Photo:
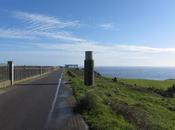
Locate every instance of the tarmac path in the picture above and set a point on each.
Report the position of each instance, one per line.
(41, 104)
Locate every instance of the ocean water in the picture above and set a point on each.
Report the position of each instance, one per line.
(155, 73)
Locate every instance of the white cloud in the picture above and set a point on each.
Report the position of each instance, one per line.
(146, 49)
(16, 33)
(42, 26)
(106, 26)
(30, 35)
(39, 22)
(60, 35)
(101, 48)
(111, 55)
(104, 55)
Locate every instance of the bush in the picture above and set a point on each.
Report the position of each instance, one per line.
(89, 101)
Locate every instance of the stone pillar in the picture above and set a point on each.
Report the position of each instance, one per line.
(11, 71)
(88, 69)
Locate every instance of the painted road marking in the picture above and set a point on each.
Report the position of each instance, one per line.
(53, 103)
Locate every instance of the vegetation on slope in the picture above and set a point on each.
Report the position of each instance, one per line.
(158, 84)
(112, 105)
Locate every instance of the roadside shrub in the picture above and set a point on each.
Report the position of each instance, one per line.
(171, 91)
(89, 101)
(166, 93)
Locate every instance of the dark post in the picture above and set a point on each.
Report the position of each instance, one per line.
(41, 70)
(88, 69)
(11, 71)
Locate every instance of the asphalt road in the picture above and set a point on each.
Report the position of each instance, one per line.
(27, 105)
(63, 115)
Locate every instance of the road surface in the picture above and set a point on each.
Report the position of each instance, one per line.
(42, 104)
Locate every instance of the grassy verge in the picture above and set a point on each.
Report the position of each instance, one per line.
(114, 106)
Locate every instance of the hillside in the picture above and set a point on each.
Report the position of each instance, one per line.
(125, 104)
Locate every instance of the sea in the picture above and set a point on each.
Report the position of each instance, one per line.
(153, 73)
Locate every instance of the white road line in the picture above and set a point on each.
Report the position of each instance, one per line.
(53, 103)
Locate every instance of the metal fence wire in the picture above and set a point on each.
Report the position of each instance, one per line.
(4, 72)
(22, 72)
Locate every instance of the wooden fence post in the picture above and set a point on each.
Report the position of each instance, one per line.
(88, 69)
(11, 71)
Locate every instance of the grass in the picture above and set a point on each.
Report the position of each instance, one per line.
(114, 106)
(159, 84)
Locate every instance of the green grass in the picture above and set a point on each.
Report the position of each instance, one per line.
(112, 106)
(158, 84)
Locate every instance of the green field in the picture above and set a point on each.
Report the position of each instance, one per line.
(112, 105)
(150, 83)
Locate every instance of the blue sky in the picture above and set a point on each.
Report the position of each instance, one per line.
(57, 32)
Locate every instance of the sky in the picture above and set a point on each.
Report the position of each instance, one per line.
(57, 32)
